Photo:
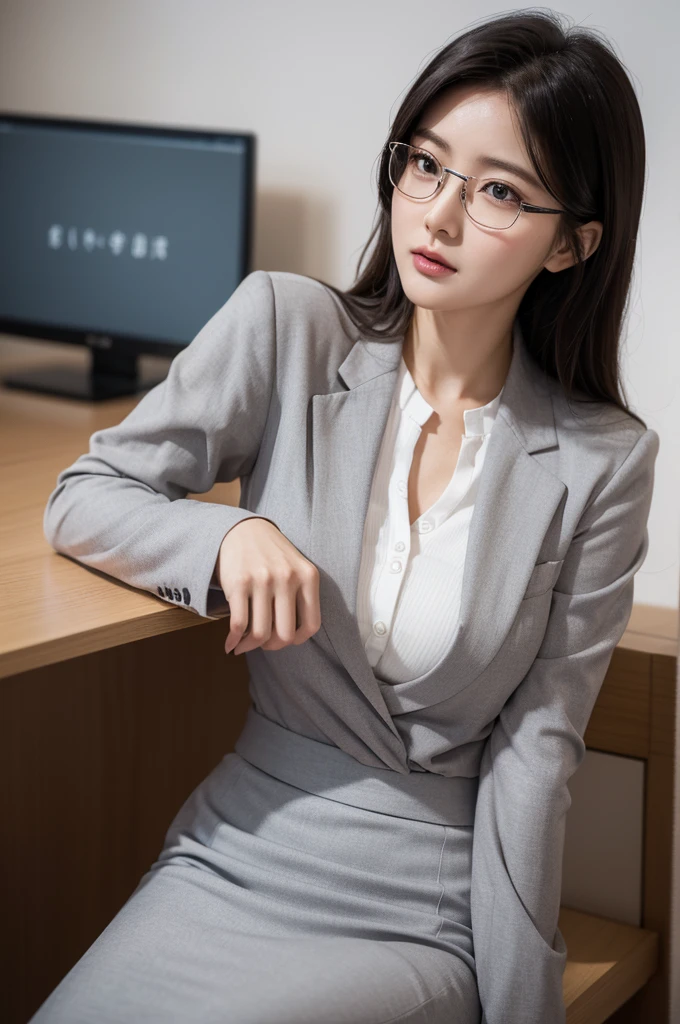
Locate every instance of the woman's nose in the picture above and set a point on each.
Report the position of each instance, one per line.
(447, 205)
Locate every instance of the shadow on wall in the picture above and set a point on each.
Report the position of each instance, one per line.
(296, 232)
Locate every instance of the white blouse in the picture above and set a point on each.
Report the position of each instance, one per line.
(410, 577)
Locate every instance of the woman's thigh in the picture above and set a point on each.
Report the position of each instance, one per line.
(175, 953)
(268, 905)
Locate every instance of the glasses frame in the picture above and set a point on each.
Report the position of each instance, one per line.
(523, 207)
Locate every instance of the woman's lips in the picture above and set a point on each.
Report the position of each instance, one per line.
(430, 267)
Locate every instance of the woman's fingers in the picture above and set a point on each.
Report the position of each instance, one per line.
(284, 616)
(308, 604)
(260, 626)
(238, 616)
(272, 589)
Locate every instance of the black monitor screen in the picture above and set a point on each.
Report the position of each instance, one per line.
(141, 233)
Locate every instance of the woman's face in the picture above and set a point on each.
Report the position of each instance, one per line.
(491, 265)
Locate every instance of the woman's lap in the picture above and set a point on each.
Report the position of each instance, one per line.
(208, 937)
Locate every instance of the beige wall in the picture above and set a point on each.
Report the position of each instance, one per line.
(319, 83)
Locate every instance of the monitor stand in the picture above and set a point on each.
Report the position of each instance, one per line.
(109, 375)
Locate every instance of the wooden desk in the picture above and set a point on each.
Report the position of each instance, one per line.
(114, 708)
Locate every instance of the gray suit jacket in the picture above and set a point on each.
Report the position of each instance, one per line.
(279, 390)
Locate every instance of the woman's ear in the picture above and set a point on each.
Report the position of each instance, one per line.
(590, 235)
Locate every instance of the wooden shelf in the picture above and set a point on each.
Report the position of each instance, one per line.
(607, 963)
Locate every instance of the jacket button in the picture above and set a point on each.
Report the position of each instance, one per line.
(177, 595)
(168, 593)
(161, 592)
(186, 595)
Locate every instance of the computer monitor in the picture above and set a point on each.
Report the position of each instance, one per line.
(125, 238)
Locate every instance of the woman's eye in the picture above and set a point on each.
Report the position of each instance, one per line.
(509, 193)
(429, 164)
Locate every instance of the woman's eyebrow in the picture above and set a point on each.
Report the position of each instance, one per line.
(485, 161)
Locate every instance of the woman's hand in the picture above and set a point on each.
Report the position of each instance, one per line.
(258, 564)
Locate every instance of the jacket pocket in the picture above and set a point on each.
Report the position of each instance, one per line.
(543, 578)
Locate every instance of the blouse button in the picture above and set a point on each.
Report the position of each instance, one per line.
(425, 526)
(402, 486)
(379, 628)
(396, 566)
(399, 546)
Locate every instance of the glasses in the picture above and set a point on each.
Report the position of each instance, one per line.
(489, 202)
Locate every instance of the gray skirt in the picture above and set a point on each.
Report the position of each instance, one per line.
(295, 886)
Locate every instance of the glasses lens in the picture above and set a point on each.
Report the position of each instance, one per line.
(491, 203)
(413, 171)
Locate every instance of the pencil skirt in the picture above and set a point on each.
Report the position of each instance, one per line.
(273, 903)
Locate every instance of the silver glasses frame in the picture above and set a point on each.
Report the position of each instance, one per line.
(523, 207)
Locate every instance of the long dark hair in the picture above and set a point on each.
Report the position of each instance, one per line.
(582, 127)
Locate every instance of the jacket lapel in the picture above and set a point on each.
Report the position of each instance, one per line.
(347, 430)
(515, 504)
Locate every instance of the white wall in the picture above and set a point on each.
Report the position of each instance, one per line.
(319, 84)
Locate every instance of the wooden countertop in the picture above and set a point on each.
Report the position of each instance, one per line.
(53, 607)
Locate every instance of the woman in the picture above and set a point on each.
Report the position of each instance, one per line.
(425, 641)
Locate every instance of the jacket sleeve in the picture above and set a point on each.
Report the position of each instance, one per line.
(536, 745)
(122, 507)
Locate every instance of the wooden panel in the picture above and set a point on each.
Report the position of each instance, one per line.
(664, 672)
(620, 722)
(96, 757)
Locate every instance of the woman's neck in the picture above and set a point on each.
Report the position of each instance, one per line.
(470, 374)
